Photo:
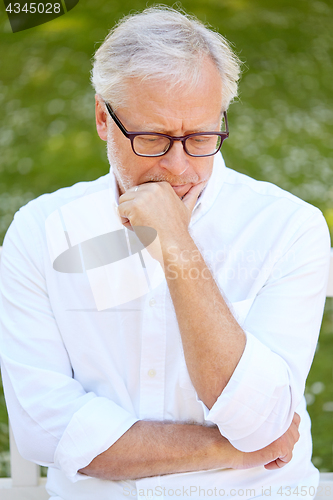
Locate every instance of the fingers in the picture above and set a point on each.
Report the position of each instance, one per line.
(296, 419)
(288, 441)
(277, 454)
(119, 210)
(276, 464)
(128, 195)
(279, 462)
(295, 426)
(192, 195)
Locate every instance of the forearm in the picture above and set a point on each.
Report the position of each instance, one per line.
(213, 341)
(156, 448)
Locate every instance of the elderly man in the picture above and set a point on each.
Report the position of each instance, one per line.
(159, 323)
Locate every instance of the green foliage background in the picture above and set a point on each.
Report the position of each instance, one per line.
(281, 126)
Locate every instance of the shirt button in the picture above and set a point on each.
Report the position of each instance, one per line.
(151, 373)
(152, 302)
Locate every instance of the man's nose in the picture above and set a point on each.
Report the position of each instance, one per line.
(175, 160)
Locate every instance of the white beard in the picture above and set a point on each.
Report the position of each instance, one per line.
(124, 180)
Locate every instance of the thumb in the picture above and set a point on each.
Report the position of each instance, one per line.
(192, 195)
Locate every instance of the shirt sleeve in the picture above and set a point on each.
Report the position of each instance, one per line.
(56, 423)
(282, 327)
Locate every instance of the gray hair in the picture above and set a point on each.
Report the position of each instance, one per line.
(161, 43)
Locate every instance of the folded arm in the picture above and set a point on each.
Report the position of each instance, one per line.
(156, 448)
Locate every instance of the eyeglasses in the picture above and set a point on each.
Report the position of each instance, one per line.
(155, 144)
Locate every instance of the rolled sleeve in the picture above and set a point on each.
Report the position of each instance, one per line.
(253, 399)
(257, 405)
(91, 431)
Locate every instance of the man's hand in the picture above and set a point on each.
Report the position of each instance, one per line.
(275, 455)
(156, 205)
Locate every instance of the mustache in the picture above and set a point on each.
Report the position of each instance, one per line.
(173, 181)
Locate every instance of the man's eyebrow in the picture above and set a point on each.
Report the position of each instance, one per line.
(153, 127)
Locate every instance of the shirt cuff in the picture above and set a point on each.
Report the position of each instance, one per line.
(91, 431)
(254, 408)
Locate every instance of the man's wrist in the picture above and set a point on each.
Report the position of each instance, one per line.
(182, 258)
(174, 247)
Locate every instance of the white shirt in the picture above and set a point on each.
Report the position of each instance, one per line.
(86, 354)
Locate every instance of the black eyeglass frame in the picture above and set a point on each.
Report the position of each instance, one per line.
(131, 135)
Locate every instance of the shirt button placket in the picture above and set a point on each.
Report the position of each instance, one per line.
(153, 346)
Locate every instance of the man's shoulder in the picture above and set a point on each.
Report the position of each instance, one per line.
(29, 222)
(266, 194)
(40, 208)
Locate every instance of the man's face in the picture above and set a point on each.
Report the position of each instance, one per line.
(153, 108)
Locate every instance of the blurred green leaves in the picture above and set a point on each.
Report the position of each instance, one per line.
(280, 128)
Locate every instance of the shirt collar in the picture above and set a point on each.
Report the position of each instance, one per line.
(113, 186)
(213, 187)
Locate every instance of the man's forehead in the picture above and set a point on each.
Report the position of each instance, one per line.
(158, 106)
(205, 123)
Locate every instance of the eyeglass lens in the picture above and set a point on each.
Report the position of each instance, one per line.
(198, 145)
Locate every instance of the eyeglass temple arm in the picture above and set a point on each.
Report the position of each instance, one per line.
(226, 122)
(116, 119)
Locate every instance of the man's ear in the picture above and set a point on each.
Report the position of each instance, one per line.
(101, 119)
